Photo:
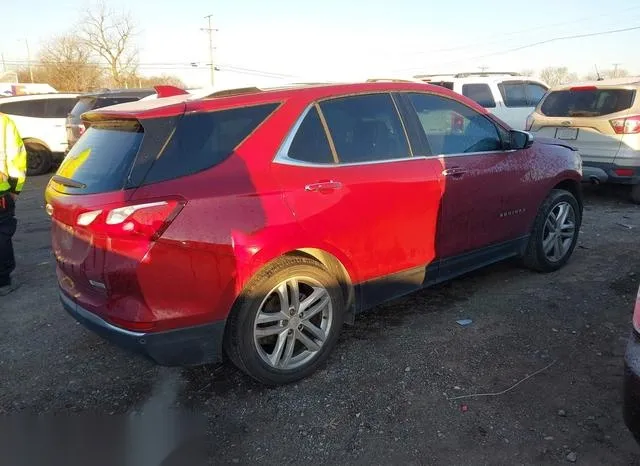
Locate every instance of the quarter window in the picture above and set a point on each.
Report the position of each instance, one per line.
(365, 128)
(310, 144)
(454, 128)
(481, 93)
(521, 93)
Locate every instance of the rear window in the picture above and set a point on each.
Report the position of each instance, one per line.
(86, 104)
(202, 140)
(587, 102)
(481, 93)
(102, 157)
(446, 84)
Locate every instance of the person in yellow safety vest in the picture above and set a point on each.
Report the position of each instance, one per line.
(13, 168)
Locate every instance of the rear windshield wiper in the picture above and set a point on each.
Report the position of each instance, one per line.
(68, 182)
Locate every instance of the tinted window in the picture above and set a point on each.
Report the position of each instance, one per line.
(535, 93)
(446, 84)
(587, 103)
(514, 94)
(102, 158)
(365, 128)
(310, 143)
(86, 104)
(454, 128)
(59, 108)
(27, 108)
(202, 140)
(480, 93)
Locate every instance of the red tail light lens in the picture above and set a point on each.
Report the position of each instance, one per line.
(629, 125)
(624, 171)
(137, 221)
(636, 314)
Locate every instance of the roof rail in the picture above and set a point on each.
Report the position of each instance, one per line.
(394, 80)
(468, 74)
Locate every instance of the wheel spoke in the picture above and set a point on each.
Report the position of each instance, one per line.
(275, 356)
(317, 332)
(288, 352)
(283, 295)
(318, 307)
(562, 214)
(269, 331)
(567, 234)
(270, 317)
(308, 342)
(559, 250)
(295, 294)
(312, 298)
(547, 245)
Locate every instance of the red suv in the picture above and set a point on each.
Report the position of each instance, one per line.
(255, 222)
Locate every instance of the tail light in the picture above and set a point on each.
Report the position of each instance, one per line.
(629, 125)
(636, 314)
(624, 171)
(137, 221)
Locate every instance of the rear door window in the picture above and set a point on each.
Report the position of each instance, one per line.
(587, 102)
(310, 144)
(535, 92)
(59, 108)
(514, 94)
(100, 161)
(27, 108)
(202, 140)
(365, 128)
(481, 93)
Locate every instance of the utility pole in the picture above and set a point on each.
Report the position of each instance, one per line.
(29, 60)
(483, 68)
(615, 69)
(4, 64)
(210, 30)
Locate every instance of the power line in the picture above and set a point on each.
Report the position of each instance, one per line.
(535, 44)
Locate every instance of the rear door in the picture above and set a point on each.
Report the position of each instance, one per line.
(519, 99)
(53, 125)
(484, 199)
(349, 177)
(582, 116)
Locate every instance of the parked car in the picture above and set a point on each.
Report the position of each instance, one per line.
(40, 120)
(602, 120)
(259, 221)
(508, 95)
(632, 375)
(94, 100)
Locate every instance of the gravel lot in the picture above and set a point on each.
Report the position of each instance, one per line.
(384, 396)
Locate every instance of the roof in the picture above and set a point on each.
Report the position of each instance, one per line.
(52, 95)
(628, 81)
(120, 92)
(176, 105)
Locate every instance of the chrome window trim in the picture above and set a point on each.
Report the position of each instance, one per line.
(283, 158)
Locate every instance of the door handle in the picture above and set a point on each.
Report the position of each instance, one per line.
(454, 172)
(323, 186)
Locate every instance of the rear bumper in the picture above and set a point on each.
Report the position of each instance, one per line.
(632, 386)
(606, 173)
(181, 347)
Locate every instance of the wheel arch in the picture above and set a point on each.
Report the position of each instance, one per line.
(32, 140)
(573, 186)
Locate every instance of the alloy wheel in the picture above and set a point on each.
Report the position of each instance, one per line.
(559, 231)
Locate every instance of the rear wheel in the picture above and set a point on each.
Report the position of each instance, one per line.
(635, 194)
(286, 322)
(39, 159)
(555, 232)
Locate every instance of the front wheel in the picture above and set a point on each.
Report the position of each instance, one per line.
(39, 159)
(555, 232)
(286, 322)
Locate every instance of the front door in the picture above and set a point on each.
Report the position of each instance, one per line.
(349, 177)
(484, 196)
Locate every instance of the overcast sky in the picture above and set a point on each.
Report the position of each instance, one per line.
(347, 39)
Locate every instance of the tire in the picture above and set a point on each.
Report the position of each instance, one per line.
(635, 193)
(535, 256)
(255, 353)
(39, 159)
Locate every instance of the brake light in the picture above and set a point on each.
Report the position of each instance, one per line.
(628, 125)
(624, 171)
(583, 88)
(137, 221)
(636, 314)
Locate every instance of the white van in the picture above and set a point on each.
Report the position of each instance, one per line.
(40, 120)
(508, 95)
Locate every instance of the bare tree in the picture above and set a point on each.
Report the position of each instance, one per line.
(66, 64)
(554, 75)
(110, 35)
(528, 72)
(150, 81)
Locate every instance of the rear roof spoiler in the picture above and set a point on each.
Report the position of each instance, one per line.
(168, 91)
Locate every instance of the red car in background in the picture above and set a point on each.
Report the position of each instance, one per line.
(255, 222)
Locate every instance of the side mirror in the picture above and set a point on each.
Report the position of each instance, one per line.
(520, 140)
